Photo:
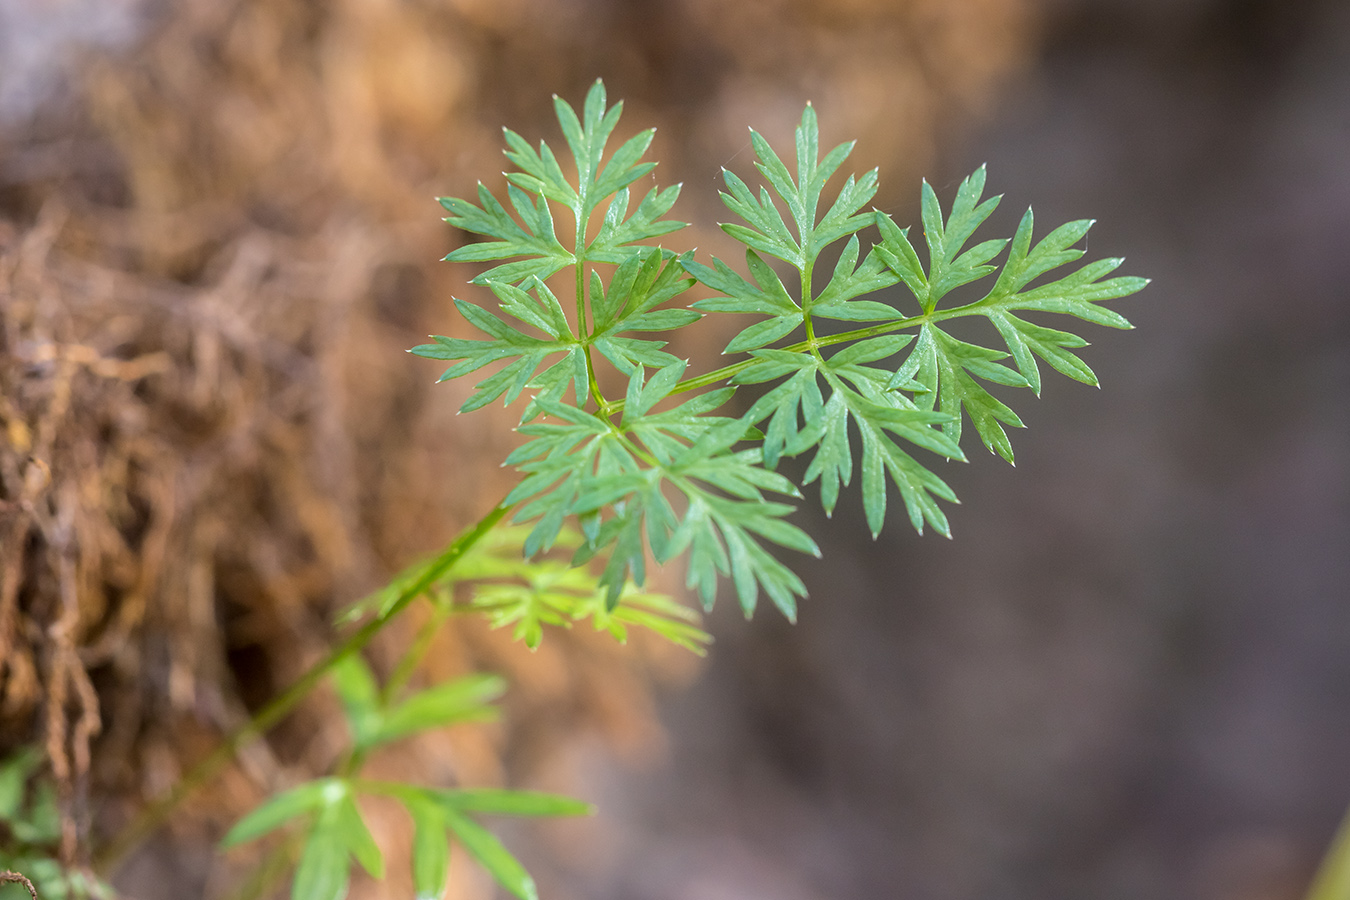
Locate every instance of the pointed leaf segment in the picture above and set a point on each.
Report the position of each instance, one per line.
(334, 830)
(335, 833)
(651, 476)
(941, 371)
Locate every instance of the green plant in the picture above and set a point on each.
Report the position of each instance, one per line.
(644, 474)
(334, 831)
(30, 822)
(669, 465)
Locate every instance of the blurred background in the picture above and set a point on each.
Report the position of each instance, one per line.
(1127, 676)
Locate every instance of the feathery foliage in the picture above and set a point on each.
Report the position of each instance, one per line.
(672, 469)
(653, 475)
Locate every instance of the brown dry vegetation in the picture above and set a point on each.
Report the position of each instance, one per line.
(211, 261)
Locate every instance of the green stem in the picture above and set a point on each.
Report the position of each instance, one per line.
(278, 862)
(717, 376)
(409, 661)
(812, 343)
(583, 329)
(276, 709)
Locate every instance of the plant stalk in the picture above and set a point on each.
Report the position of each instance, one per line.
(154, 815)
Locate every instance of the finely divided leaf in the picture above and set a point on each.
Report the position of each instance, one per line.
(536, 240)
(336, 834)
(535, 306)
(550, 592)
(548, 597)
(540, 173)
(801, 418)
(597, 180)
(768, 232)
(766, 296)
(618, 230)
(944, 365)
(850, 280)
(587, 139)
(645, 280)
(948, 267)
(942, 370)
(658, 613)
(919, 487)
(615, 477)
(667, 478)
(1025, 339)
(638, 286)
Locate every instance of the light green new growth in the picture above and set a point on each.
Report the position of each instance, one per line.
(531, 593)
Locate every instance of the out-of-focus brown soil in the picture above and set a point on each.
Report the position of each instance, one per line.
(212, 257)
